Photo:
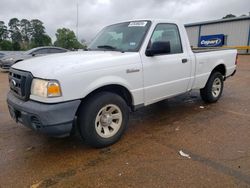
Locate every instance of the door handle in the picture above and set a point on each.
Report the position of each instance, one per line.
(184, 60)
(132, 70)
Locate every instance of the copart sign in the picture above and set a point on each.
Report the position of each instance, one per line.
(211, 41)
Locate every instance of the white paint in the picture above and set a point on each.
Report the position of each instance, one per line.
(103, 1)
(158, 78)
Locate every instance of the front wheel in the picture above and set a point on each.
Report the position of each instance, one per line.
(103, 119)
(213, 89)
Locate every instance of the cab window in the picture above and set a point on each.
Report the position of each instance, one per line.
(167, 33)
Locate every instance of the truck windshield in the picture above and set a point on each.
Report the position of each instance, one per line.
(125, 37)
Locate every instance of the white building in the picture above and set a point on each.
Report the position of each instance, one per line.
(223, 32)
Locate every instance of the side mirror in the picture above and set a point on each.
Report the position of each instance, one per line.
(158, 48)
(33, 54)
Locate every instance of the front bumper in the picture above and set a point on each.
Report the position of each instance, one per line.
(51, 119)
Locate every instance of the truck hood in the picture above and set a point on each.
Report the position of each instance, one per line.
(50, 66)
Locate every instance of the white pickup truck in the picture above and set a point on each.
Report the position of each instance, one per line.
(128, 65)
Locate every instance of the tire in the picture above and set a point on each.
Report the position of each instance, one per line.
(213, 89)
(103, 119)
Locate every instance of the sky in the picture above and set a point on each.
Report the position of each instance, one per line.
(96, 14)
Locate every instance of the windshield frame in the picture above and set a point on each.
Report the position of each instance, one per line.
(137, 49)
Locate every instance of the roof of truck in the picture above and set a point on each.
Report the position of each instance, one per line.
(154, 20)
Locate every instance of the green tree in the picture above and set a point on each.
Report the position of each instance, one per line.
(16, 46)
(26, 32)
(15, 34)
(38, 36)
(3, 31)
(46, 40)
(229, 16)
(6, 45)
(66, 38)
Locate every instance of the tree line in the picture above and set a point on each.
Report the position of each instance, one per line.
(26, 34)
(233, 16)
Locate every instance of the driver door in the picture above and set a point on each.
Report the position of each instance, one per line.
(166, 74)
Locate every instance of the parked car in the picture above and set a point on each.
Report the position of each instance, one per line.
(129, 65)
(9, 60)
(1, 55)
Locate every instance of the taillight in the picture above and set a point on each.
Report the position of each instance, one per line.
(236, 60)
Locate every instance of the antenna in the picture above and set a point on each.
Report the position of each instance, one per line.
(77, 5)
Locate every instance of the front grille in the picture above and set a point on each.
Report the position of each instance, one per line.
(20, 83)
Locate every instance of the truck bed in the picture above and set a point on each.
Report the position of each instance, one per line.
(201, 50)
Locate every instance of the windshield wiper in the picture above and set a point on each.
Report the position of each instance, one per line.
(107, 47)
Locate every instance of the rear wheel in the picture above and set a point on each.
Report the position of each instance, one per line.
(103, 119)
(213, 89)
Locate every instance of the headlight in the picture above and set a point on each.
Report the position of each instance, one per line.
(45, 88)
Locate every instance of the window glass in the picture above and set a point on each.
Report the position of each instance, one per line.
(41, 51)
(56, 50)
(167, 33)
(126, 37)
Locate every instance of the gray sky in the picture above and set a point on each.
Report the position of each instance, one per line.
(95, 14)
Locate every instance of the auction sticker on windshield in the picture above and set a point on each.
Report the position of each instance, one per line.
(137, 24)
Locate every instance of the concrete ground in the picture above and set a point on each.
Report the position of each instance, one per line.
(216, 137)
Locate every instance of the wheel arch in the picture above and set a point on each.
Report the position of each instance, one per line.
(118, 89)
(220, 68)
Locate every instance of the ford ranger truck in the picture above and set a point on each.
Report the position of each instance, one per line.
(127, 66)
